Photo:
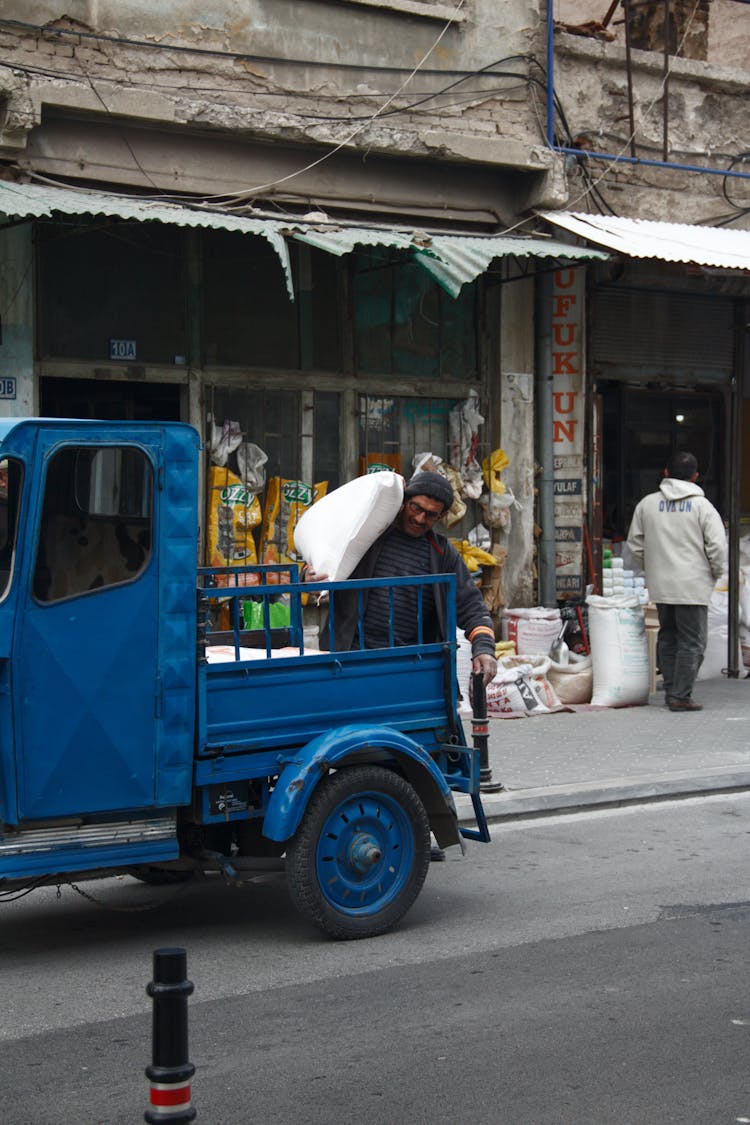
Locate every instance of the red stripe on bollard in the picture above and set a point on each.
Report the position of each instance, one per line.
(173, 1096)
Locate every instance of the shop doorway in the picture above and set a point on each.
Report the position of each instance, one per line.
(110, 401)
(640, 430)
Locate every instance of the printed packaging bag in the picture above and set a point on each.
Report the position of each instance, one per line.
(286, 501)
(233, 514)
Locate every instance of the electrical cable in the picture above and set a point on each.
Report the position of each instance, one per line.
(15, 893)
(229, 55)
(243, 197)
(485, 71)
(740, 158)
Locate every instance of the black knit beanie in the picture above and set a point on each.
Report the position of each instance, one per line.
(433, 485)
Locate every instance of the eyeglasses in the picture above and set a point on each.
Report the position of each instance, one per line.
(417, 510)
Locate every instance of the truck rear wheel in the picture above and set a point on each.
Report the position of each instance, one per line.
(361, 853)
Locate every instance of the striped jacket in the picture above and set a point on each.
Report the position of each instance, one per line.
(472, 614)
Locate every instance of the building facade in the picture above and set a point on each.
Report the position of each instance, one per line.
(325, 225)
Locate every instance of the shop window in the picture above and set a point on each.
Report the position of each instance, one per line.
(111, 282)
(405, 324)
(641, 431)
(392, 431)
(267, 449)
(96, 525)
(118, 400)
(249, 319)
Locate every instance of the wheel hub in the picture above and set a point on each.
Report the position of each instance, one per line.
(364, 852)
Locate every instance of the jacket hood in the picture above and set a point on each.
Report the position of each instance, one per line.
(674, 489)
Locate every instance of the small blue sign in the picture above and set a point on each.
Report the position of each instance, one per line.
(8, 386)
(122, 349)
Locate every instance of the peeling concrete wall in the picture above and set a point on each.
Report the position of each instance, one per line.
(708, 123)
(728, 26)
(348, 80)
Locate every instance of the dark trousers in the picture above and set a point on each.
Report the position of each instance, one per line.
(683, 633)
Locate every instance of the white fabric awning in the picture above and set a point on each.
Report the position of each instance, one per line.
(452, 259)
(716, 247)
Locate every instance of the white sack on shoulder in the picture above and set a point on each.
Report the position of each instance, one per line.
(619, 650)
(334, 534)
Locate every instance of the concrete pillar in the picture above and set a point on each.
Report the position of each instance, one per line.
(17, 310)
(517, 435)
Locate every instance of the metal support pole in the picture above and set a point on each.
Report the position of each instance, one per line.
(170, 1071)
(480, 734)
(734, 460)
(629, 73)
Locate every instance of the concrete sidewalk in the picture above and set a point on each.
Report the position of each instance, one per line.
(583, 759)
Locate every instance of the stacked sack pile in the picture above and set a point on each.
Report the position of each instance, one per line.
(618, 581)
(530, 680)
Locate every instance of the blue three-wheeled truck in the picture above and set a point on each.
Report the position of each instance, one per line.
(139, 736)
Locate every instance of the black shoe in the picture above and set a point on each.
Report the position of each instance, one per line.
(437, 855)
(683, 704)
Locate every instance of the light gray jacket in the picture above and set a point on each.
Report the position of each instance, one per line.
(677, 536)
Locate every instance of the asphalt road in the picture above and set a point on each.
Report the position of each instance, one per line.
(582, 969)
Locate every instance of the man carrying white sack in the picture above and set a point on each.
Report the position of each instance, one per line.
(411, 546)
(677, 536)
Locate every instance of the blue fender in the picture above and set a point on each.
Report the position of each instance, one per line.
(361, 744)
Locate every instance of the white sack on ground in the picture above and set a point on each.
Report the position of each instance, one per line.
(619, 651)
(572, 682)
(531, 630)
(521, 687)
(334, 534)
(715, 658)
(463, 672)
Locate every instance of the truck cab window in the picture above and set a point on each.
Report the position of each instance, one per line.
(96, 526)
(11, 475)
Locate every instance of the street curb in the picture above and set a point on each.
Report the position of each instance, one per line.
(549, 800)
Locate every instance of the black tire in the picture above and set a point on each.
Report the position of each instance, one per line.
(360, 856)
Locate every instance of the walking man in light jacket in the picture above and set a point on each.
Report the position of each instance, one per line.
(678, 537)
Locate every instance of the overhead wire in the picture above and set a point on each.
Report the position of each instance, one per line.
(237, 200)
(240, 200)
(241, 56)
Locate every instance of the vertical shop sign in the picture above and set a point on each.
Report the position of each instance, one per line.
(567, 428)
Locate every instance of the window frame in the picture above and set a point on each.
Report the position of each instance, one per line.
(82, 521)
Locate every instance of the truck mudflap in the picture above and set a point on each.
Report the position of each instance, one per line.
(356, 745)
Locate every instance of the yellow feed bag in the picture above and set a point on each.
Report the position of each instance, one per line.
(474, 557)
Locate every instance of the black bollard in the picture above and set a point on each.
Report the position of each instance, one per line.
(480, 731)
(170, 1071)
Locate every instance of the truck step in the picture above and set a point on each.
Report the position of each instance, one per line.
(63, 847)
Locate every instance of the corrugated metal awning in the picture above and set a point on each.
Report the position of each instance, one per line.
(716, 247)
(452, 259)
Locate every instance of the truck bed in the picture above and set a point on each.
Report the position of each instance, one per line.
(276, 702)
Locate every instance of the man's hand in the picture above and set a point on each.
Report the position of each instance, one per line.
(485, 664)
(309, 575)
(320, 597)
